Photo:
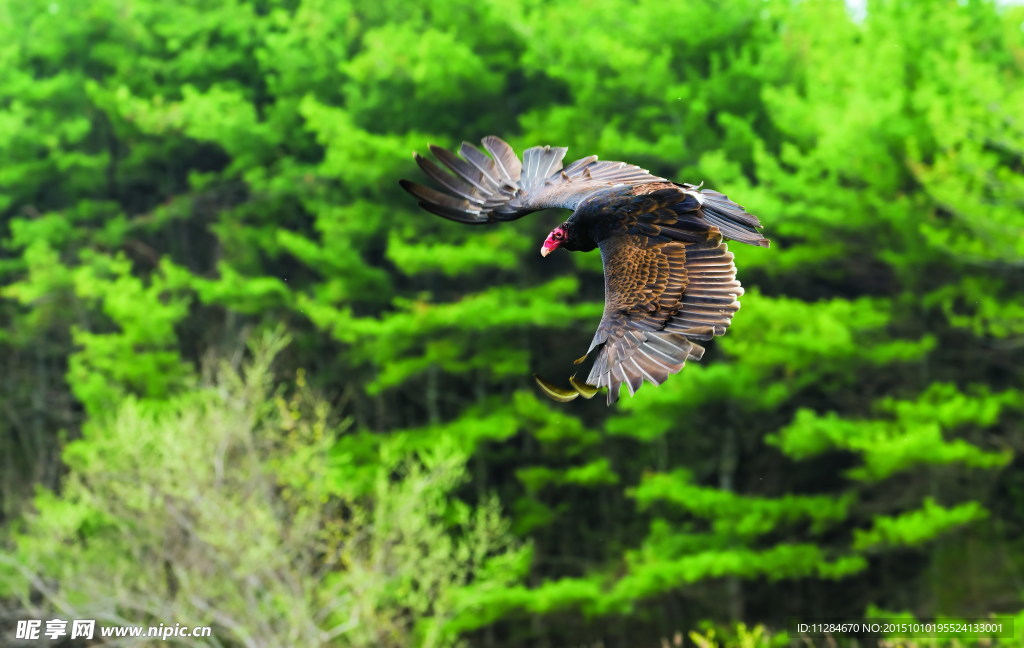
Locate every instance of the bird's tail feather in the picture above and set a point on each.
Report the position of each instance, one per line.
(731, 219)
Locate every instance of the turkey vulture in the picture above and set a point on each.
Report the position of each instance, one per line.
(669, 279)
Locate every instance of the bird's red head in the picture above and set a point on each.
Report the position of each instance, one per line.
(554, 240)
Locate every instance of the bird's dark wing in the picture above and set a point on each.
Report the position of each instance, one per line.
(484, 189)
(660, 296)
(669, 282)
(678, 205)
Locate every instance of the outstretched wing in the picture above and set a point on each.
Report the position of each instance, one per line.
(484, 189)
(661, 296)
(669, 282)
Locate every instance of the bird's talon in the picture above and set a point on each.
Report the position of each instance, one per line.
(585, 390)
(554, 392)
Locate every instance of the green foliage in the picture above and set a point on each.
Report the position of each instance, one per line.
(732, 514)
(223, 506)
(913, 436)
(176, 176)
(741, 637)
(915, 527)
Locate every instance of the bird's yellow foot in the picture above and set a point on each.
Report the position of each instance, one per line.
(562, 395)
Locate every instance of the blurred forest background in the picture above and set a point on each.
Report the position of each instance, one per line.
(245, 382)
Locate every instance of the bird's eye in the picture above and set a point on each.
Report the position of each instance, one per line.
(559, 235)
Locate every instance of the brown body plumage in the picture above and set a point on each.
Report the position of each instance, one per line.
(669, 278)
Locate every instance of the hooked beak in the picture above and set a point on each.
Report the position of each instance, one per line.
(550, 244)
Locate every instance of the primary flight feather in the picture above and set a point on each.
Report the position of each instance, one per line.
(669, 278)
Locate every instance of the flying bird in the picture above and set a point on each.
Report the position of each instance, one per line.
(669, 279)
